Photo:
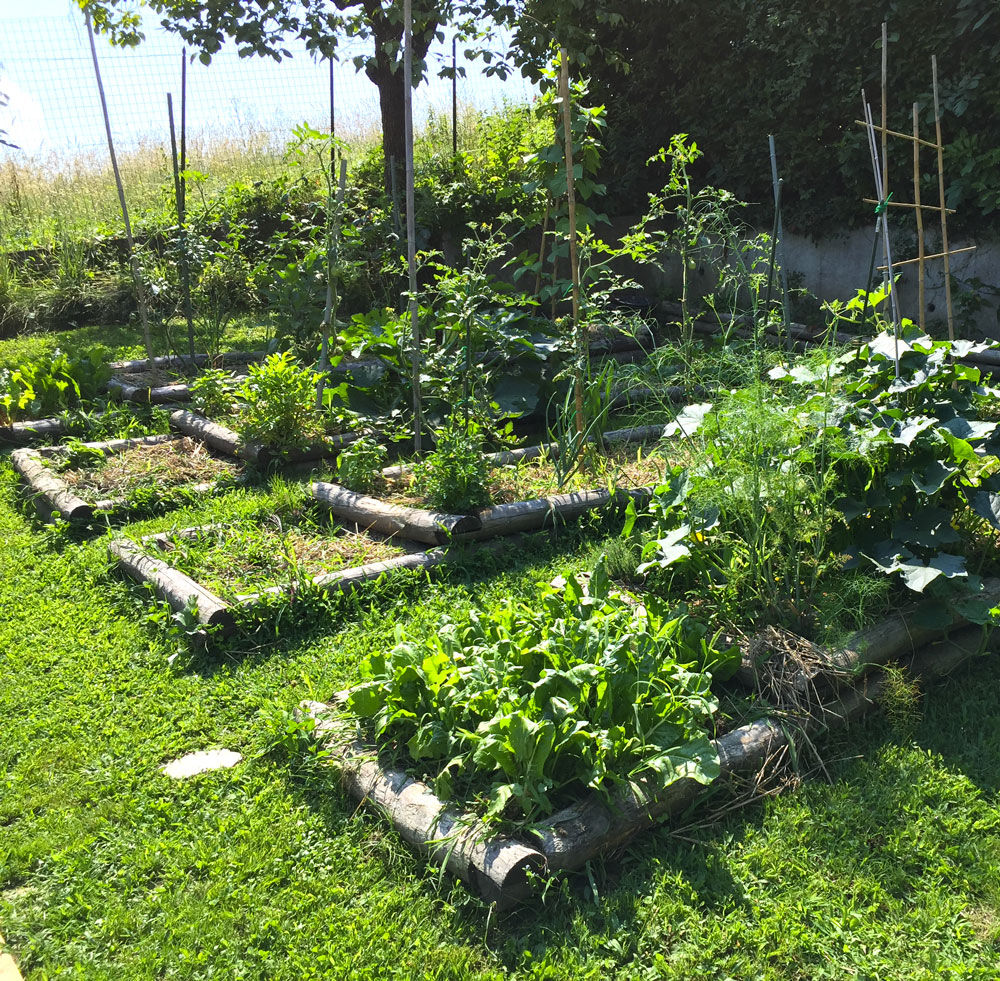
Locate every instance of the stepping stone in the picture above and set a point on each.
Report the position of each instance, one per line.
(8, 969)
(200, 762)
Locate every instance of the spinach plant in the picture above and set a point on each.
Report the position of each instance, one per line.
(521, 708)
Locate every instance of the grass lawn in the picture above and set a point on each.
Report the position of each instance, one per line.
(108, 869)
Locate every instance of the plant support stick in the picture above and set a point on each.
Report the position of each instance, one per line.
(411, 232)
(140, 296)
(579, 342)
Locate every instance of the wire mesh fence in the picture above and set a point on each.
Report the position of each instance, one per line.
(240, 111)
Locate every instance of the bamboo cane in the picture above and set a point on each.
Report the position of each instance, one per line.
(944, 215)
(140, 296)
(920, 218)
(411, 232)
(573, 256)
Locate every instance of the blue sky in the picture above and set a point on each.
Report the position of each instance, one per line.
(54, 106)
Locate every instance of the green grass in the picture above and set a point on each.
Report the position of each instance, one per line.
(110, 870)
(122, 342)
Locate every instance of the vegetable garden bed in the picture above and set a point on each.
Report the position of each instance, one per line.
(78, 480)
(402, 510)
(456, 815)
(225, 440)
(221, 566)
(168, 379)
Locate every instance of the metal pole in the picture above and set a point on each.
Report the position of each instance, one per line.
(411, 232)
(454, 98)
(785, 305)
(140, 296)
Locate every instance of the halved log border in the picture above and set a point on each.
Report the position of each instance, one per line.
(52, 494)
(438, 528)
(180, 391)
(177, 588)
(506, 871)
(225, 440)
(31, 431)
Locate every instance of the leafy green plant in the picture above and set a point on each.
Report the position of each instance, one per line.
(359, 465)
(526, 705)
(50, 383)
(455, 475)
(924, 492)
(212, 392)
(277, 404)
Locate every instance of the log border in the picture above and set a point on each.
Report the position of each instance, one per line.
(225, 440)
(438, 528)
(52, 494)
(593, 825)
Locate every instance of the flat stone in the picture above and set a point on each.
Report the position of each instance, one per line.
(201, 762)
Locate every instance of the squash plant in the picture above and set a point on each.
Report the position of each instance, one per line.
(929, 489)
(522, 707)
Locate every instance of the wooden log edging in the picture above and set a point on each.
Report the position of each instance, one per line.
(225, 440)
(500, 869)
(53, 493)
(347, 580)
(31, 431)
(578, 833)
(897, 636)
(171, 585)
(521, 516)
(367, 513)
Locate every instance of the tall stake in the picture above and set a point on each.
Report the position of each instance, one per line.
(140, 296)
(179, 204)
(776, 188)
(944, 211)
(329, 325)
(574, 263)
(182, 217)
(920, 217)
(454, 98)
(411, 232)
(885, 111)
(333, 122)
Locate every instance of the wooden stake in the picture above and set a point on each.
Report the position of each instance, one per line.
(541, 251)
(944, 214)
(922, 308)
(411, 231)
(573, 258)
(885, 122)
(140, 296)
(928, 258)
(908, 204)
(902, 136)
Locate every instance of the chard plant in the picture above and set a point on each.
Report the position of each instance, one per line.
(521, 708)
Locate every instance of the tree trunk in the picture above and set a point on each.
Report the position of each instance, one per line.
(387, 73)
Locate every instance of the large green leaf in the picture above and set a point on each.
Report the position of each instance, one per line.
(987, 505)
(933, 477)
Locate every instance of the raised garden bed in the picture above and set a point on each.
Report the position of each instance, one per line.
(79, 480)
(225, 440)
(221, 567)
(31, 431)
(528, 472)
(168, 379)
(507, 865)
